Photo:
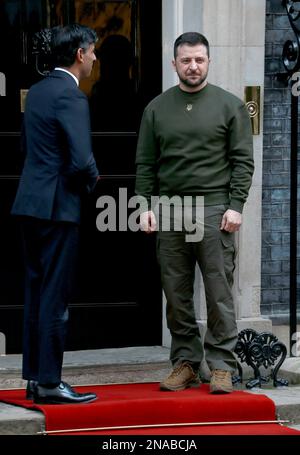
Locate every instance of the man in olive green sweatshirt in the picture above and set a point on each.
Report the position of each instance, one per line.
(195, 140)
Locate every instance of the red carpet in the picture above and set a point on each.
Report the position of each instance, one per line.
(144, 404)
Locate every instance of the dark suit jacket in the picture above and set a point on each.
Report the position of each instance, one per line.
(59, 163)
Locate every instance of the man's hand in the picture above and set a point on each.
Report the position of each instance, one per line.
(231, 221)
(148, 222)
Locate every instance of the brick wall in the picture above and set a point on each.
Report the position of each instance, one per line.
(276, 167)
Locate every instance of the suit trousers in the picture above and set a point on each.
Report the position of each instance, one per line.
(50, 253)
(215, 255)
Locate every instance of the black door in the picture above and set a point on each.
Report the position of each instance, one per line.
(118, 297)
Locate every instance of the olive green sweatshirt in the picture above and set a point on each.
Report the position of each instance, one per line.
(196, 144)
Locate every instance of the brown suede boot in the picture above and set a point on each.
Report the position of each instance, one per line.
(221, 382)
(182, 377)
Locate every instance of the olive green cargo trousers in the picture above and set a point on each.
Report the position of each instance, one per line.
(215, 254)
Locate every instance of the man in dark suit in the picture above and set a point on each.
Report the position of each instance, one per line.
(59, 167)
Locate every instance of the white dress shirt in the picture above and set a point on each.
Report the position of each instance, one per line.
(68, 72)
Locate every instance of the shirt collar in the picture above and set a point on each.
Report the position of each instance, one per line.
(68, 72)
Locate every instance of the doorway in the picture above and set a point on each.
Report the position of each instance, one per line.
(118, 298)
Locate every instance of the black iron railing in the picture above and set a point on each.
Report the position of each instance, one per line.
(260, 350)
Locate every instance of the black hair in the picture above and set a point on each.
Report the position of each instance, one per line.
(65, 42)
(192, 39)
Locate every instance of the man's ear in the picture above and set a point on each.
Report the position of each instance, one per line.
(174, 65)
(79, 54)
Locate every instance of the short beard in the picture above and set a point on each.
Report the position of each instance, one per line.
(193, 84)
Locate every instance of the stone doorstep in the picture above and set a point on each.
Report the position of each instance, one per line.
(97, 366)
(18, 421)
(133, 364)
(141, 364)
(287, 402)
(98, 357)
(15, 420)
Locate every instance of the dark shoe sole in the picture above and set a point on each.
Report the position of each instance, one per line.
(166, 388)
(55, 401)
(220, 391)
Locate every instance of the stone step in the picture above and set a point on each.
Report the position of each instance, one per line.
(134, 364)
(97, 366)
(105, 366)
(15, 420)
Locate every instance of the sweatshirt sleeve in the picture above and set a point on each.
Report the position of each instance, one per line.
(240, 150)
(146, 161)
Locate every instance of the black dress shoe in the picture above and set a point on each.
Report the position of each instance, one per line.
(62, 394)
(31, 386)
